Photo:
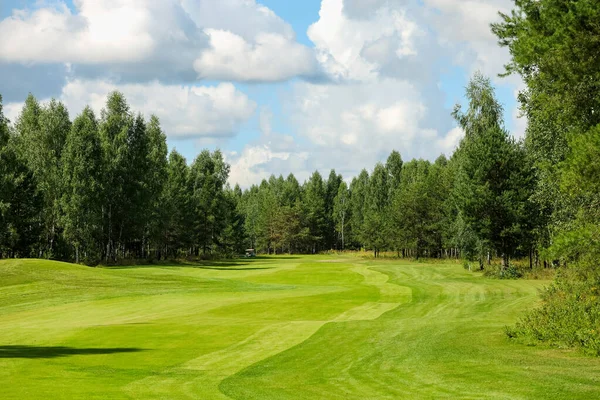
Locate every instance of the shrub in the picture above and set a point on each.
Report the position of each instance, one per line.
(569, 315)
(499, 272)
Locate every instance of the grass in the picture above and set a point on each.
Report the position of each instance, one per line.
(313, 327)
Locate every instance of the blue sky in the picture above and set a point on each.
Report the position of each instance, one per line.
(279, 86)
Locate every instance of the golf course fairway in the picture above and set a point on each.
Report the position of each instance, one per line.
(290, 327)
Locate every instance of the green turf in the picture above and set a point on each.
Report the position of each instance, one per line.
(318, 327)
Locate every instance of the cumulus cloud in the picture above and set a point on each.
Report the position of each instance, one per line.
(167, 40)
(245, 18)
(185, 112)
(383, 60)
(386, 57)
(117, 31)
(270, 57)
(340, 41)
(464, 27)
(365, 120)
(272, 153)
(256, 163)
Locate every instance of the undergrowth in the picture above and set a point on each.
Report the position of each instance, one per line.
(569, 314)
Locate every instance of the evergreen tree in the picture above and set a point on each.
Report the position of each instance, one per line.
(208, 176)
(375, 226)
(315, 203)
(331, 190)
(393, 166)
(358, 189)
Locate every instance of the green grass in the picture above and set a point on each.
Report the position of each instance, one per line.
(314, 327)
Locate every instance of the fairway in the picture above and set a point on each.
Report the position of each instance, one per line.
(293, 327)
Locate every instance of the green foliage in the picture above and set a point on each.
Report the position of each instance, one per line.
(493, 180)
(341, 213)
(81, 201)
(376, 222)
(569, 315)
(554, 47)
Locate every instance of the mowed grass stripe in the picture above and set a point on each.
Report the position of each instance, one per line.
(274, 328)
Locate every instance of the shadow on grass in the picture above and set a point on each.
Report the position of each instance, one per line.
(57, 351)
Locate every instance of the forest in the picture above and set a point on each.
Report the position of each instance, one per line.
(103, 188)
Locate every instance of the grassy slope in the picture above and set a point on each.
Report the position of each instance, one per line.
(275, 328)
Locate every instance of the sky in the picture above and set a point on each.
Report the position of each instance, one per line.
(279, 86)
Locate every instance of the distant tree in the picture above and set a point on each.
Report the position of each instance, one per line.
(315, 209)
(232, 236)
(375, 232)
(81, 200)
(359, 188)
(208, 176)
(176, 203)
(331, 191)
(393, 166)
(155, 183)
(44, 152)
(20, 201)
(116, 126)
(341, 212)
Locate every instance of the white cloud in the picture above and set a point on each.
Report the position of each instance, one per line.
(256, 163)
(450, 142)
(12, 111)
(354, 126)
(341, 40)
(272, 153)
(185, 112)
(166, 40)
(116, 31)
(270, 57)
(463, 26)
(245, 18)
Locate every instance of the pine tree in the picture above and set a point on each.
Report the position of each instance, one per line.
(358, 192)
(314, 203)
(331, 190)
(375, 232)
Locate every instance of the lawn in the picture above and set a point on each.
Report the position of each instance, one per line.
(296, 327)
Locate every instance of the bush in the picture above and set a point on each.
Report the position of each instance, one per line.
(499, 272)
(569, 315)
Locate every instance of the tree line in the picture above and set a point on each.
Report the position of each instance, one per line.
(101, 189)
(104, 188)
